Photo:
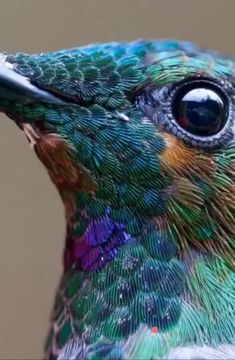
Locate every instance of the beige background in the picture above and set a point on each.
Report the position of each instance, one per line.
(31, 216)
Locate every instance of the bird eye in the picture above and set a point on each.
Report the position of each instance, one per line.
(200, 108)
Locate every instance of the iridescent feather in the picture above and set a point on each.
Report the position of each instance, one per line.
(149, 256)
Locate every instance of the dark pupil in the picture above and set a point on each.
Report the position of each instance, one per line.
(201, 111)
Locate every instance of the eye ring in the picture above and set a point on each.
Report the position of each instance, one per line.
(158, 104)
(200, 108)
(218, 91)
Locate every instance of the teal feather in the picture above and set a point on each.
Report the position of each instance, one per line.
(149, 254)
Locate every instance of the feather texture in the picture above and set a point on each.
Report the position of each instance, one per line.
(149, 255)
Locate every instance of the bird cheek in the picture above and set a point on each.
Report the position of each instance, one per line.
(180, 159)
(176, 156)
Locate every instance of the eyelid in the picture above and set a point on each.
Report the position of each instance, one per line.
(159, 109)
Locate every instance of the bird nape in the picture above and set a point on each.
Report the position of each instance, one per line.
(139, 140)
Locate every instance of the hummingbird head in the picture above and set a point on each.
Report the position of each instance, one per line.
(140, 134)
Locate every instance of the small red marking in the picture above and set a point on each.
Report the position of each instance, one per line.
(154, 330)
(183, 121)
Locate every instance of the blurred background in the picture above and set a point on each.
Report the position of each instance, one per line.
(31, 215)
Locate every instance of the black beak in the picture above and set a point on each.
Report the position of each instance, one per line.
(14, 86)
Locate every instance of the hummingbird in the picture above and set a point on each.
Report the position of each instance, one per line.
(139, 139)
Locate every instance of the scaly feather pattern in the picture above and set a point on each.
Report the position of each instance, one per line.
(149, 195)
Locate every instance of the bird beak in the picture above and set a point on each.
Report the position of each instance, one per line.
(16, 87)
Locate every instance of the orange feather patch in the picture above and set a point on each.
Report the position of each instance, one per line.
(178, 158)
(56, 154)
